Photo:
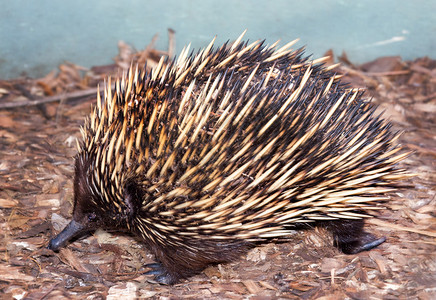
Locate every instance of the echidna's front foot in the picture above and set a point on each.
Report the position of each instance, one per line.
(161, 274)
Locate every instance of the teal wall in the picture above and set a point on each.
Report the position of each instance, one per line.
(35, 36)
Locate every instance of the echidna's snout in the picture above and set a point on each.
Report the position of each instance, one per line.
(72, 230)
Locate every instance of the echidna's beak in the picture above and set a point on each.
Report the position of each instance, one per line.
(70, 231)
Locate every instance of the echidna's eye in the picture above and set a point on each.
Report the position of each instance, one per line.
(92, 217)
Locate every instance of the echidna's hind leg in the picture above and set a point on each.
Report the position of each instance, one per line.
(350, 237)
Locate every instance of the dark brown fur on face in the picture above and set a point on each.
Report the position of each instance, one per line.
(207, 155)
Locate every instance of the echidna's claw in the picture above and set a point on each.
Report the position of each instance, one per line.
(367, 244)
(165, 279)
(373, 244)
(156, 269)
(154, 272)
(161, 274)
(153, 266)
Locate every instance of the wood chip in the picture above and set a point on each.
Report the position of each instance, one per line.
(251, 286)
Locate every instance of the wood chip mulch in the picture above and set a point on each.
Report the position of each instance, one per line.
(39, 123)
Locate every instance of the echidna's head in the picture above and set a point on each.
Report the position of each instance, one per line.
(98, 202)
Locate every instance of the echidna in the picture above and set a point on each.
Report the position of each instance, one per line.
(207, 154)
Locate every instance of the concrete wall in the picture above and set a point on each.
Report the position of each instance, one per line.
(35, 36)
